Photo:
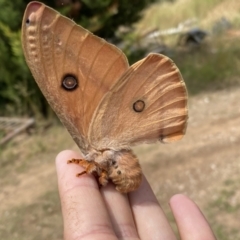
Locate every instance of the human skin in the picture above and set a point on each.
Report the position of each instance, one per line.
(100, 214)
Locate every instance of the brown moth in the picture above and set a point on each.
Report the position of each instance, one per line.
(106, 105)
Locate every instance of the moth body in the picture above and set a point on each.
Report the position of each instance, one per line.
(122, 168)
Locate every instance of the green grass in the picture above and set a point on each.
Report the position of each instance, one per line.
(223, 208)
(210, 68)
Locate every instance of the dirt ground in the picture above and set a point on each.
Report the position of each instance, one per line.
(205, 165)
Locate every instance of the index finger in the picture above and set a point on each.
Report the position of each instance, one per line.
(83, 208)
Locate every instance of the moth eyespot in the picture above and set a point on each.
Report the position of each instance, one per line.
(28, 22)
(139, 106)
(69, 83)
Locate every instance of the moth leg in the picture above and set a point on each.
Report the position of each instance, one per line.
(76, 161)
(90, 167)
(103, 178)
(81, 173)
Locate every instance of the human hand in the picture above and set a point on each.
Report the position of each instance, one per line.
(100, 214)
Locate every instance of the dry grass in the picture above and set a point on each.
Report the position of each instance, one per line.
(168, 15)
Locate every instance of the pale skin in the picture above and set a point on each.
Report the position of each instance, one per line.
(90, 213)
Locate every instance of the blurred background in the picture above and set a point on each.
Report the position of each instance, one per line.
(203, 39)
